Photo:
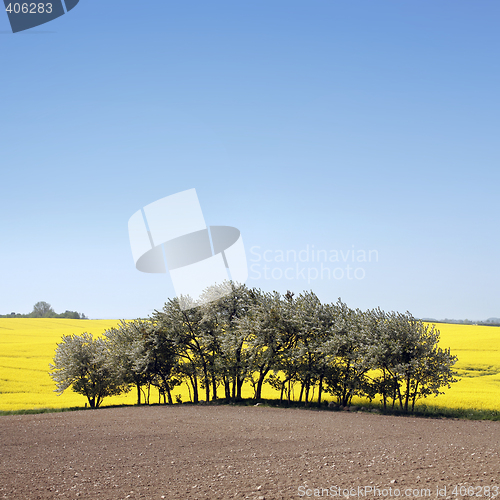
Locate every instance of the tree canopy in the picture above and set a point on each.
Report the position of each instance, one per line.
(296, 344)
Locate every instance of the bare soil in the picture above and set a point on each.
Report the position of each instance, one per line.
(223, 452)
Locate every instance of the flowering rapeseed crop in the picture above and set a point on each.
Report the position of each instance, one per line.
(27, 347)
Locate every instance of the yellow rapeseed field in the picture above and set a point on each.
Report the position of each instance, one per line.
(27, 347)
(478, 367)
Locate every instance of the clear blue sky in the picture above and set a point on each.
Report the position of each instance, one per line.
(372, 124)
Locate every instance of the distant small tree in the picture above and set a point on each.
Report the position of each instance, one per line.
(86, 365)
(69, 315)
(42, 310)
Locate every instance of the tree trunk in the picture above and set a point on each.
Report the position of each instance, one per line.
(407, 395)
(138, 385)
(196, 398)
(239, 386)
(384, 391)
(214, 387)
(227, 387)
(400, 396)
(394, 391)
(169, 394)
(207, 381)
(308, 386)
(414, 397)
(260, 383)
(213, 376)
(346, 396)
(320, 389)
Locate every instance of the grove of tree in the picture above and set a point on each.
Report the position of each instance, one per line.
(296, 344)
(44, 310)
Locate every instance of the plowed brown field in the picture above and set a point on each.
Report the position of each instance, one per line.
(223, 452)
